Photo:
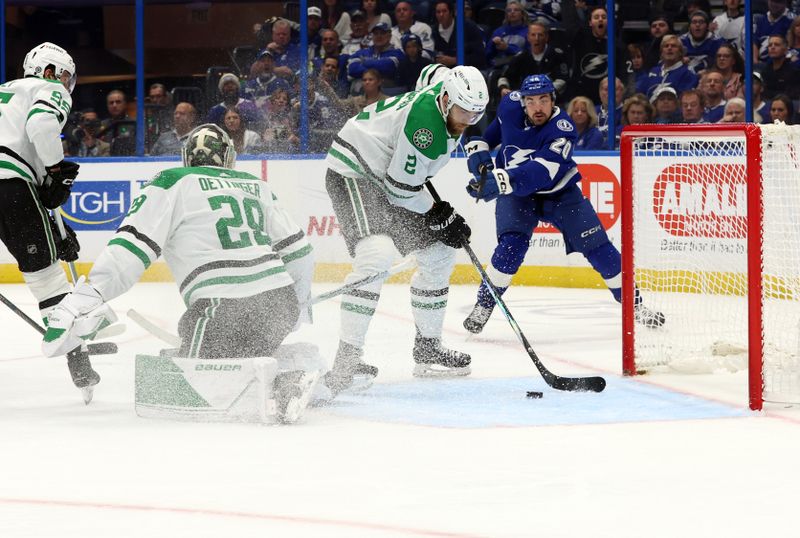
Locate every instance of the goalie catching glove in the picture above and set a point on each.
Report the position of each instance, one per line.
(77, 318)
(497, 183)
(448, 226)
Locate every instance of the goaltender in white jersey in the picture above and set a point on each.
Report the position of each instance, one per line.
(378, 165)
(242, 265)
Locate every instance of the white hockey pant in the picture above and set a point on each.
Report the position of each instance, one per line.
(430, 286)
(374, 254)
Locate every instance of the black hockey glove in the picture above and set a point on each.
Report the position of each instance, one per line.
(58, 184)
(448, 226)
(68, 247)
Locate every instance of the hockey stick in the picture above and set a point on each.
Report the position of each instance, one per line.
(403, 265)
(175, 341)
(162, 334)
(593, 384)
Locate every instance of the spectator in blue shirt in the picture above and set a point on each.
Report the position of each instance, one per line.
(670, 71)
(776, 21)
(665, 104)
(699, 43)
(713, 88)
(381, 56)
(581, 110)
(259, 89)
(285, 53)
(510, 38)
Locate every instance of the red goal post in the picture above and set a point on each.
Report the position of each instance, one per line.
(711, 238)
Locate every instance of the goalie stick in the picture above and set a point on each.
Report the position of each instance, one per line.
(593, 384)
(175, 341)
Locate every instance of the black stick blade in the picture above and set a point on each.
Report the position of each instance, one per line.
(578, 384)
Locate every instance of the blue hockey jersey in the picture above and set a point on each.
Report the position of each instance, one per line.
(538, 159)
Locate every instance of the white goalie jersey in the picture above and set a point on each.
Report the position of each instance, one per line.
(33, 112)
(222, 233)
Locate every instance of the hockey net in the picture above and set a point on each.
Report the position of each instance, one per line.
(711, 238)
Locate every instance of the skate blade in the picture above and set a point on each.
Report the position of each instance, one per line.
(297, 406)
(360, 384)
(87, 393)
(434, 370)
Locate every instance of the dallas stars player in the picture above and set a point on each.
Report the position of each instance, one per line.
(377, 167)
(34, 177)
(243, 265)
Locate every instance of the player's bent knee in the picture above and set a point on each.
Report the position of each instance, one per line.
(374, 254)
(510, 252)
(434, 265)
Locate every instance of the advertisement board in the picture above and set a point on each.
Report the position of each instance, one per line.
(103, 193)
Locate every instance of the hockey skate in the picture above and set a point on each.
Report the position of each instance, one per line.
(83, 376)
(434, 360)
(651, 319)
(293, 391)
(477, 318)
(349, 372)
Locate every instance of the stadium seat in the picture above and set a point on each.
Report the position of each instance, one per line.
(492, 17)
(190, 94)
(242, 58)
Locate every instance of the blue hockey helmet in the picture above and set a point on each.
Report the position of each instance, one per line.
(537, 85)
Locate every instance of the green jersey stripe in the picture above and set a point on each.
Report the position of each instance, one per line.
(127, 245)
(10, 166)
(297, 254)
(238, 279)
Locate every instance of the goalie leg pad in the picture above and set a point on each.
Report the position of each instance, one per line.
(221, 390)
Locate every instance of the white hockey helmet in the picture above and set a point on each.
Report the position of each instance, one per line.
(45, 55)
(466, 87)
(431, 74)
(208, 145)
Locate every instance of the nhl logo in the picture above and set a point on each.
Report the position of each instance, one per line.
(32, 249)
(422, 138)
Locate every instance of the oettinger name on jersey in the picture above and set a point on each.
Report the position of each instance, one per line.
(97, 205)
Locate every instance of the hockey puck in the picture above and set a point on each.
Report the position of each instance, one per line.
(535, 394)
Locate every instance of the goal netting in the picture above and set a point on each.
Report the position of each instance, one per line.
(711, 238)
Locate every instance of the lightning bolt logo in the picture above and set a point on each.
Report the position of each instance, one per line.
(594, 65)
(518, 156)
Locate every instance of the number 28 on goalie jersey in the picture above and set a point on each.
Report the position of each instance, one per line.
(221, 232)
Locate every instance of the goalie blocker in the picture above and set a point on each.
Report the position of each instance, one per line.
(267, 390)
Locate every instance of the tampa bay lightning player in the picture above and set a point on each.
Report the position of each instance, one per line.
(535, 179)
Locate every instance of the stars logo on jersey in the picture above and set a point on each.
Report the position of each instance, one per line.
(516, 156)
(422, 138)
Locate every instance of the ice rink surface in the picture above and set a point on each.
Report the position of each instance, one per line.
(656, 456)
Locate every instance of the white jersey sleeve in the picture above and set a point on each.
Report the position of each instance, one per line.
(46, 118)
(33, 112)
(220, 231)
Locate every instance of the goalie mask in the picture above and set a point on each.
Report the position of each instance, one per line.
(47, 55)
(208, 145)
